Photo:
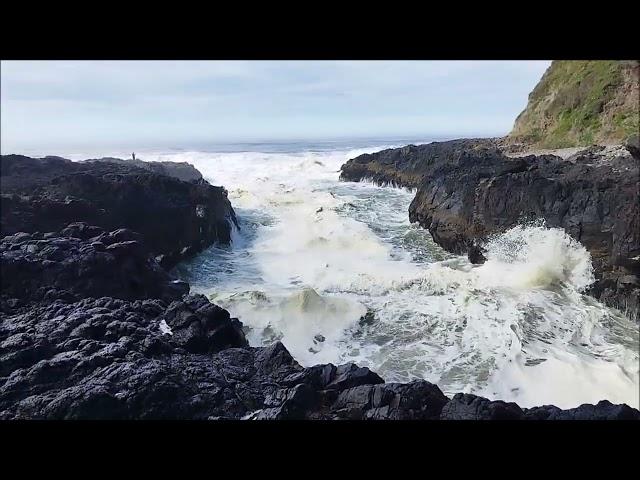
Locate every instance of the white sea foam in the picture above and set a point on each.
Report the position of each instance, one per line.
(165, 328)
(530, 256)
(335, 270)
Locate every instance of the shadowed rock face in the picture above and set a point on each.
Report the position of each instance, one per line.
(175, 218)
(468, 190)
(82, 261)
(108, 358)
(464, 406)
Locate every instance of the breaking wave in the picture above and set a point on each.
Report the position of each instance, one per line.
(336, 271)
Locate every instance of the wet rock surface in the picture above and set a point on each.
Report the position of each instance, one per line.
(469, 189)
(109, 358)
(176, 218)
(82, 261)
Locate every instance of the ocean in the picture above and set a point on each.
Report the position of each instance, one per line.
(336, 271)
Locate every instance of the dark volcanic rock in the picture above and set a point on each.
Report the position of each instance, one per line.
(603, 410)
(108, 358)
(181, 170)
(82, 261)
(476, 254)
(471, 407)
(464, 406)
(199, 326)
(406, 166)
(468, 190)
(418, 400)
(175, 218)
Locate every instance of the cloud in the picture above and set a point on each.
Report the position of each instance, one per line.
(63, 102)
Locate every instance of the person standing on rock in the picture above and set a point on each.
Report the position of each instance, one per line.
(133, 155)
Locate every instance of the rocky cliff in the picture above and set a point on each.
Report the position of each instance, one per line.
(580, 103)
(469, 189)
(176, 218)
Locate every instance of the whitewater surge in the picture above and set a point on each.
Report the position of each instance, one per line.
(337, 273)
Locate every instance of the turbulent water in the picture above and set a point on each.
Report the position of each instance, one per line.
(337, 273)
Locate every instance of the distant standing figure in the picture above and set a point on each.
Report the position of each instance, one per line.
(134, 156)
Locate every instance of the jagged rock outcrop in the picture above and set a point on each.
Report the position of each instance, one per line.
(469, 189)
(175, 218)
(181, 170)
(407, 166)
(108, 359)
(82, 261)
(464, 406)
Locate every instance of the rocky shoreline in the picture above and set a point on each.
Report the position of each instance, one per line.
(93, 327)
(469, 189)
(177, 218)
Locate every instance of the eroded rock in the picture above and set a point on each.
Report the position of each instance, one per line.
(469, 189)
(175, 218)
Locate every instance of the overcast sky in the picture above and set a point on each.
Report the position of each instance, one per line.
(76, 104)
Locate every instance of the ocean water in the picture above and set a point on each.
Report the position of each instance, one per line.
(337, 273)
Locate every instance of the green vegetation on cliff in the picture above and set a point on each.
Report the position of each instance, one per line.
(578, 103)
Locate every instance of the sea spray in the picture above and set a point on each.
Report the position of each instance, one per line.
(343, 276)
(532, 255)
(310, 323)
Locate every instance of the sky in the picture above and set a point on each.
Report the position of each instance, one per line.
(67, 105)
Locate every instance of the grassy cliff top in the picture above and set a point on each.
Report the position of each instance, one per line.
(579, 103)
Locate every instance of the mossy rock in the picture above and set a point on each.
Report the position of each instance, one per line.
(579, 103)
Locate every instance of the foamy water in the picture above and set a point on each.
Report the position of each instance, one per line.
(337, 273)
